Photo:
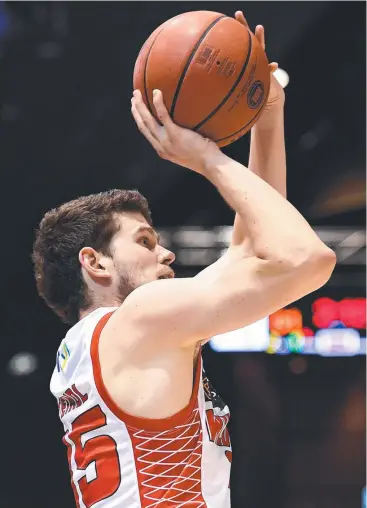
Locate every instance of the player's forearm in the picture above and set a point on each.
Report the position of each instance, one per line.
(267, 152)
(267, 160)
(277, 231)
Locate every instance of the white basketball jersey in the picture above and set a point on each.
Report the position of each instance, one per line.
(120, 461)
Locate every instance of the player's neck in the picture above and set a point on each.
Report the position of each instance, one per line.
(98, 305)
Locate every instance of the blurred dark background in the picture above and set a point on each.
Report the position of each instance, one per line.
(298, 421)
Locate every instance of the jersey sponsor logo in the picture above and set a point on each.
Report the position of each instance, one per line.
(62, 357)
(217, 417)
(71, 399)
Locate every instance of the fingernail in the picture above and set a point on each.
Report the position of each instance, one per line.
(155, 91)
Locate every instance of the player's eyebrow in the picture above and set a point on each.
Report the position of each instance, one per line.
(149, 230)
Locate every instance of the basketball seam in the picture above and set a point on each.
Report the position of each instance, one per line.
(233, 88)
(145, 71)
(189, 60)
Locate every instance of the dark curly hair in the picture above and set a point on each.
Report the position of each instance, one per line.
(87, 221)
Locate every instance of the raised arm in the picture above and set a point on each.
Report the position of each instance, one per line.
(289, 259)
(267, 148)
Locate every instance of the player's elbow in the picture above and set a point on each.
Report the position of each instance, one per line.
(324, 261)
(315, 266)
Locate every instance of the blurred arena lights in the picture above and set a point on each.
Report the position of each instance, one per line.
(337, 342)
(282, 76)
(315, 328)
(198, 246)
(22, 364)
(254, 337)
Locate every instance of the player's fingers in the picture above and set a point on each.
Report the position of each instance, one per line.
(260, 35)
(161, 110)
(145, 114)
(143, 128)
(241, 18)
(273, 66)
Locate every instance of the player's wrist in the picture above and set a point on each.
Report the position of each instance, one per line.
(213, 163)
(206, 158)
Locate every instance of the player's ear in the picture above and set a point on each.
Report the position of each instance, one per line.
(94, 263)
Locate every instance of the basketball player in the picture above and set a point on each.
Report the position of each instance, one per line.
(143, 426)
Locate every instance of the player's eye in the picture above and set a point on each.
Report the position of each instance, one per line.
(146, 241)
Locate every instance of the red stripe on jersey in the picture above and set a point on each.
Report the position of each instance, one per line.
(149, 424)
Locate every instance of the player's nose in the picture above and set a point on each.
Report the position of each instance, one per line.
(166, 257)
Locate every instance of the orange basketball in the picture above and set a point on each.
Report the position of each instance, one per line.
(212, 71)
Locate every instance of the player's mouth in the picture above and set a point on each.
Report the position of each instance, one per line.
(169, 274)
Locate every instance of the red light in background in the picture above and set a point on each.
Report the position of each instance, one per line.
(325, 310)
(350, 311)
(353, 312)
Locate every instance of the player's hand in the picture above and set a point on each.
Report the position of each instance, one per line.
(276, 96)
(176, 144)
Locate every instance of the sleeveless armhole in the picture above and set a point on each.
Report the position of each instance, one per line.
(148, 424)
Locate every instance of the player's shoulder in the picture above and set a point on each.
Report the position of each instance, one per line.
(153, 292)
(151, 306)
(163, 313)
